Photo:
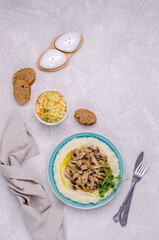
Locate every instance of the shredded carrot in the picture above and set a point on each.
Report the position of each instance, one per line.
(43, 104)
(56, 102)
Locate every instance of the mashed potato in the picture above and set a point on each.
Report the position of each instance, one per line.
(63, 184)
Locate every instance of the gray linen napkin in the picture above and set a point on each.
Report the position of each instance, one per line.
(42, 220)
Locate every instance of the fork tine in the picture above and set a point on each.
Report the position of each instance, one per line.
(142, 167)
(137, 169)
(144, 170)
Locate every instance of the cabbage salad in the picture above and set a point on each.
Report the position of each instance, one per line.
(51, 106)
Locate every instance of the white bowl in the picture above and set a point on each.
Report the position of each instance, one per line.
(47, 123)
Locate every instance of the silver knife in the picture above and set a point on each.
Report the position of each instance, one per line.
(126, 204)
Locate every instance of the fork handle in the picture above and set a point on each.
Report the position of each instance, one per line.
(117, 216)
(124, 218)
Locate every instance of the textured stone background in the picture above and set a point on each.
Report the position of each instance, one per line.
(115, 74)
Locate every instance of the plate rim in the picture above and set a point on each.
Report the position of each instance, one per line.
(80, 207)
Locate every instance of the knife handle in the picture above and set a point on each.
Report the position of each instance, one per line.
(124, 218)
(117, 216)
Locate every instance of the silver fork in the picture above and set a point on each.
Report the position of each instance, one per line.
(138, 174)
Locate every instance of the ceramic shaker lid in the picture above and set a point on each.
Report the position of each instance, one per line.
(52, 59)
(68, 42)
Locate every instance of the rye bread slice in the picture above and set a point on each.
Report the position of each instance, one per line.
(21, 91)
(85, 116)
(28, 73)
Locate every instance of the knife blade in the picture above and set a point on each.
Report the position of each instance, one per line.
(117, 217)
(138, 160)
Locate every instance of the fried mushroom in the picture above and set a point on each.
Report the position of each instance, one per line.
(75, 155)
(86, 168)
(76, 176)
(94, 161)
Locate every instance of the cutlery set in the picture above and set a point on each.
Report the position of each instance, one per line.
(139, 170)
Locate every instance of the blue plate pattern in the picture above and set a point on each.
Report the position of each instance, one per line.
(51, 172)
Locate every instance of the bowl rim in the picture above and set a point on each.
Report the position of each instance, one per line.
(117, 189)
(42, 121)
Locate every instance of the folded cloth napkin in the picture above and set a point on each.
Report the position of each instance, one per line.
(42, 220)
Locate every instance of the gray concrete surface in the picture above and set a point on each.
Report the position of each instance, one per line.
(115, 74)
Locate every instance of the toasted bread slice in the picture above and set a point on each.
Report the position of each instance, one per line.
(21, 91)
(85, 116)
(27, 73)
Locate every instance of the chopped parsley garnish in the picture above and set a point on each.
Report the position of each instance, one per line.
(118, 177)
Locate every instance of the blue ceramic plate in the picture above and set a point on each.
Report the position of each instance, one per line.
(51, 172)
